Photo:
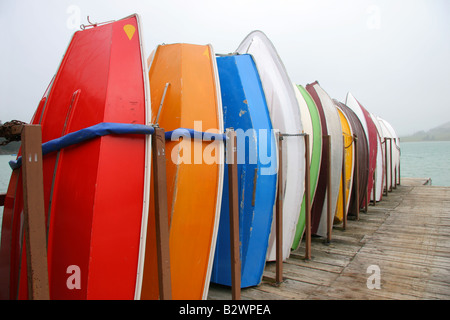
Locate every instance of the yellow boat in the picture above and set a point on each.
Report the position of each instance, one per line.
(349, 163)
(186, 75)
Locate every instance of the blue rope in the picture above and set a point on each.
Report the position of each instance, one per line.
(107, 128)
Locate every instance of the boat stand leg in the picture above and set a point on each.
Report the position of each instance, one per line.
(355, 141)
(327, 141)
(307, 201)
(279, 215)
(161, 214)
(386, 166)
(234, 214)
(34, 213)
(344, 193)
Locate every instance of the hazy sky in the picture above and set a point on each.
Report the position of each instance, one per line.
(394, 56)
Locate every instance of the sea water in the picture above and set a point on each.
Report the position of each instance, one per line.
(430, 159)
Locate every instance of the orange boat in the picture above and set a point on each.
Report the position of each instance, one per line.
(185, 92)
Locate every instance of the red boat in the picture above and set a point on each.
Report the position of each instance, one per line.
(94, 192)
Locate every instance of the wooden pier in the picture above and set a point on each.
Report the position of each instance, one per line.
(403, 241)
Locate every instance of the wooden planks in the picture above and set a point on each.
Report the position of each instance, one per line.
(407, 236)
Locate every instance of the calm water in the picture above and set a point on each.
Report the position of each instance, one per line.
(426, 160)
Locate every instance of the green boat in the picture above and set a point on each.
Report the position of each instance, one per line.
(313, 127)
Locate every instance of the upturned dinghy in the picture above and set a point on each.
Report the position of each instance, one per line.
(372, 141)
(185, 91)
(245, 110)
(347, 134)
(363, 160)
(331, 125)
(94, 192)
(285, 115)
(309, 114)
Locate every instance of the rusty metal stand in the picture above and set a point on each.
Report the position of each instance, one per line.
(234, 214)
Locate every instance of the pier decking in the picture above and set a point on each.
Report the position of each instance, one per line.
(406, 236)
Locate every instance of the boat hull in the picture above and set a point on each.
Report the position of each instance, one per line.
(310, 112)
(245, 110)
(285, 115)
(363, 161)
(330, 121)
(194, 168)
(347, 134)
(100, 79)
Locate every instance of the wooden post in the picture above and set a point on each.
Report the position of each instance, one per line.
(399, 154)
(234, 214)
(367, 197)
(395, 167)
(327, 141)
(34, 213)
(355, 141)
(161, 213)
(374, 188)
(344, 204)
(307, 200)
(390, 143)
(386, 165)
(279, 214)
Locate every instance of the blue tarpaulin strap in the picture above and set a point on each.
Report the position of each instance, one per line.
(106, 128)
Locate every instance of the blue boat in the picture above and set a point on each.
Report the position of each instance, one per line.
(245, 110)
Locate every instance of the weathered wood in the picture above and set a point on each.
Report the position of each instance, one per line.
(407, 235)
(307, 200)
(234, 214)
(34, 213)
(279, 215)
(161, 214)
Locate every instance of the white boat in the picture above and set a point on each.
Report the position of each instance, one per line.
(285, 115)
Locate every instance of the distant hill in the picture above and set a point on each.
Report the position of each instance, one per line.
(440, 133)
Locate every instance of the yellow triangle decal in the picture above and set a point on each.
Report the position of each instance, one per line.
(129, 30)
(206, 53)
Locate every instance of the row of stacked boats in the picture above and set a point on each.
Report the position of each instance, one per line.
(99, 195)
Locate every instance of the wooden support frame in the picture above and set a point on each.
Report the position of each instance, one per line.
(34, 213)
(279, 214)
(386, 166)
(357, 182)
(374, 188)
(344, 191)
(327, 142)
(390, 163)
(231, 153)
(161, 213)
(307, 199)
